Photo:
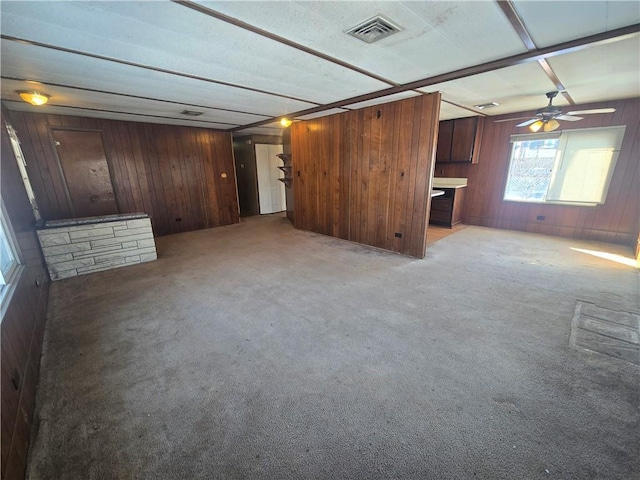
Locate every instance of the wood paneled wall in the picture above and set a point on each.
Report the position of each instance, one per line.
(166, 171)
(22, 328)
(290, 190)
(365, 175)
(616, 221)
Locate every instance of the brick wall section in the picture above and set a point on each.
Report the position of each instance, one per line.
(80, 249)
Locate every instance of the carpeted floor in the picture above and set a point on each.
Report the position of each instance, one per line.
(256, 351)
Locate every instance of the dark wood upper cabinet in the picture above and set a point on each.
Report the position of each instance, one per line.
(445, 137)
(458, 140)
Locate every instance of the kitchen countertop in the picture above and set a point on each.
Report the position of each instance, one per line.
(449, 182)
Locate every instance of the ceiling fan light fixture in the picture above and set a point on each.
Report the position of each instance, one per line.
(534, 127)
(551, 125)
(34, 98)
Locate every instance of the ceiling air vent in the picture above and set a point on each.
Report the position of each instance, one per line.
(486, 105)
(374, 29)
(191, 113)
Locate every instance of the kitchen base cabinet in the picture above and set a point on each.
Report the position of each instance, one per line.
(446, 209)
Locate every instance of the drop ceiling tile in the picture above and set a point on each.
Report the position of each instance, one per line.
(273, 128)
(79, 112)
(378, 101)
(550, 23)
(602, 72)
(515, 89)
(170, 36)
(61, 96)
(260, 131)
(331, 111)
(448, 112)
(35, 63)
(435, 36)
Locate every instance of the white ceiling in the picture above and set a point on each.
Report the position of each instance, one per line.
(243, 62)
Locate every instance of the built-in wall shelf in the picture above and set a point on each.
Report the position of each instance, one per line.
(286, 158)
(286, 168)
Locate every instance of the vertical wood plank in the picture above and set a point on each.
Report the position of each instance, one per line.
(367, 174)
(22, 324)
(165, 171)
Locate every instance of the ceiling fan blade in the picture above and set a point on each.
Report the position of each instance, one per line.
(510, 119)
(528, 122)
(592, 111)
(569, 118)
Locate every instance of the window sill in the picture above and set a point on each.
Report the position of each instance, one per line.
(557, 204)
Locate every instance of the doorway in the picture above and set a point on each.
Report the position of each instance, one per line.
(86, 172)
(271, 191)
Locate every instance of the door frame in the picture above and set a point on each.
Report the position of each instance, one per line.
(50, 129)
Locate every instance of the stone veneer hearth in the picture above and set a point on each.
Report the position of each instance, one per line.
(85, 245)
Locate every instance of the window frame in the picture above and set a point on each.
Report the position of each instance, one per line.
(560, 160)
(9, 280)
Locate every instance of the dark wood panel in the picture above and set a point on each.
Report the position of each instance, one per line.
(245, 158)
(365, 175)
(246, 170)
(459, 140)
(617, 220)
(445, 137)
(183, 177)
(86, 171)
(464, 136)
(22, 327)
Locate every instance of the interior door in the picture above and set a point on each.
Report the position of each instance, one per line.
(86, 172)
(271, 191)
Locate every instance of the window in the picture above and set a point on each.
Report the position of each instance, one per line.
(572, 167)
(9, 260)
(22, 166)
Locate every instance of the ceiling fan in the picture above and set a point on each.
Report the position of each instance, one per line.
(547, 118)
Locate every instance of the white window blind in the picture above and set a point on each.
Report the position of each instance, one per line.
(573, 167)
(585, 162)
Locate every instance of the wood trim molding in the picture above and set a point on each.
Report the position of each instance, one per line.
(148, 67)
(518, 25)
(521, 58)
(128, 95)
(277, 38)
(148, 115)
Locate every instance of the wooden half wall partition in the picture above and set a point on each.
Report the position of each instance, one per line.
(616, 221)
(365, 175)
(22, 324)
(183, 177)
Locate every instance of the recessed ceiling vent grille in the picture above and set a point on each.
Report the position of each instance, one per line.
(374, 29)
